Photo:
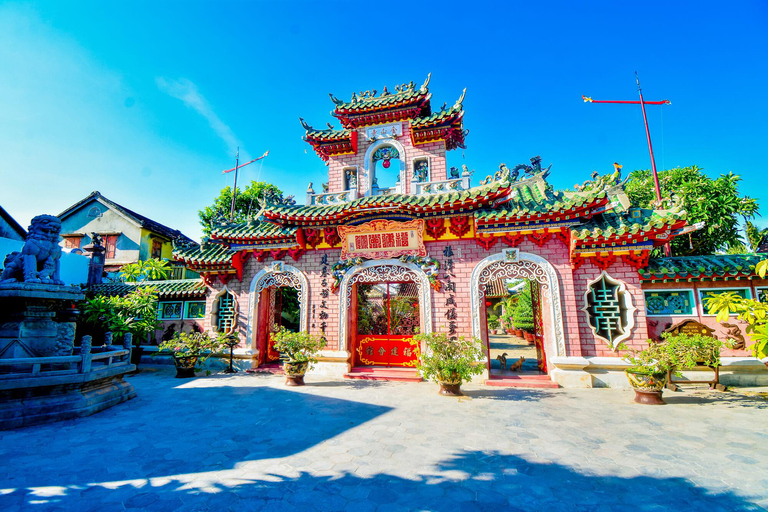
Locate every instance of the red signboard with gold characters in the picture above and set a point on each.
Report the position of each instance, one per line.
(381, 239)
(387, 351)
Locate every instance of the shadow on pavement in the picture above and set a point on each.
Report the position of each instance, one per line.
(469, 481)
(184, 435)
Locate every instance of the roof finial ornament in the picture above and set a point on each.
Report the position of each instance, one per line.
(460, 101)
(335, 99)
(330, 126)
(426, 83)
(354, 98)
(304, 124)
(385, 92)
(444, 105)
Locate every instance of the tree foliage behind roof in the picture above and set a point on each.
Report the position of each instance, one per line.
(247, 204)
(716, 202)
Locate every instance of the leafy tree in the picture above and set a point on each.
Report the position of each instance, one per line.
(247, 203)
(136, 312)
(755, 235)
(523, 315)
(716, 202)
(149, 270)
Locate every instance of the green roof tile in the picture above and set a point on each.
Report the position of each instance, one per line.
(171, 289)
(713, 266)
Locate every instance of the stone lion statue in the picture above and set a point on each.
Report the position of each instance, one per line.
(38, 261)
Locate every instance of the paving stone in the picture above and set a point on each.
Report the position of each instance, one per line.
(388, 447)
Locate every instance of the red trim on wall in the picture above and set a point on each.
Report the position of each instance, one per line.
(486, 242)
(296, 253)
(512, 240)
(459, 226)
(539, 238)
(604, 260)
(332, 237)
(435, 227)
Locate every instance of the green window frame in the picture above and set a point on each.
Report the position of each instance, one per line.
(194, 309)
(669, 303)
(744, 293)
(169, 310)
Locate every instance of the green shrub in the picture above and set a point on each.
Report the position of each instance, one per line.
(297, 347)
(523, 315)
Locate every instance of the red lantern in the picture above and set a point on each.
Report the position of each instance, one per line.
(487, 303)
(385, 164)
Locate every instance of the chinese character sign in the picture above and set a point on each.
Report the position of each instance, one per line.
(382, 239)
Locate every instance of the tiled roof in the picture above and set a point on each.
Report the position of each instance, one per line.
(440, 117)
(367, 103)
(141, 220)
(611, 225)
(173, 289)
(253, 230)
(327, 135)
(416, 205)
(210, 254)
(528, 199)
(20, 231)
(717, 266)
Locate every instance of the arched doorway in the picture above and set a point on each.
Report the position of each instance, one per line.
(278, 297)
(398, 306)
(384, 168)
(535, 272)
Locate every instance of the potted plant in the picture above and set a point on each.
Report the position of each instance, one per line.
(298, 350)
(753, 312)
(652, 365)
(449, 362)
(493, 323)
(190, 350)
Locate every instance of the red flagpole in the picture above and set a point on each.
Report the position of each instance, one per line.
(643, 103)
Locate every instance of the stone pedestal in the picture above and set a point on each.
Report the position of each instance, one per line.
(37, 320)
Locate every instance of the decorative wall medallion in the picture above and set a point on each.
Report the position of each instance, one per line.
(609, 309)
(511, 254)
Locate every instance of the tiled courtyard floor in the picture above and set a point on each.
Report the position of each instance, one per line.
(247, 443)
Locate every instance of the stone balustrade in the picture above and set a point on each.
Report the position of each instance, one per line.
(89, 360)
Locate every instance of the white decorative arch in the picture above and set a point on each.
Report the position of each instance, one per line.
(368, 166)
(514, 264)
(277, 274)
(376, 271)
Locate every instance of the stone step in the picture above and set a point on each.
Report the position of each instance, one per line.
(522, 381)
(384, 373)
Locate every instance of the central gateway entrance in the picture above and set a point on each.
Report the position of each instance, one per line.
(387, 318)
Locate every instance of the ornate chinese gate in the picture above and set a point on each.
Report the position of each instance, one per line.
(387, 319)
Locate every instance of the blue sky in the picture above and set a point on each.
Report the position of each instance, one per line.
(147, 101)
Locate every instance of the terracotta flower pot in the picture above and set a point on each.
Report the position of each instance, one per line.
(519, 333)
(294, 372)
(648, 387)
(185, 366)
(528, 337)
(450, 385)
